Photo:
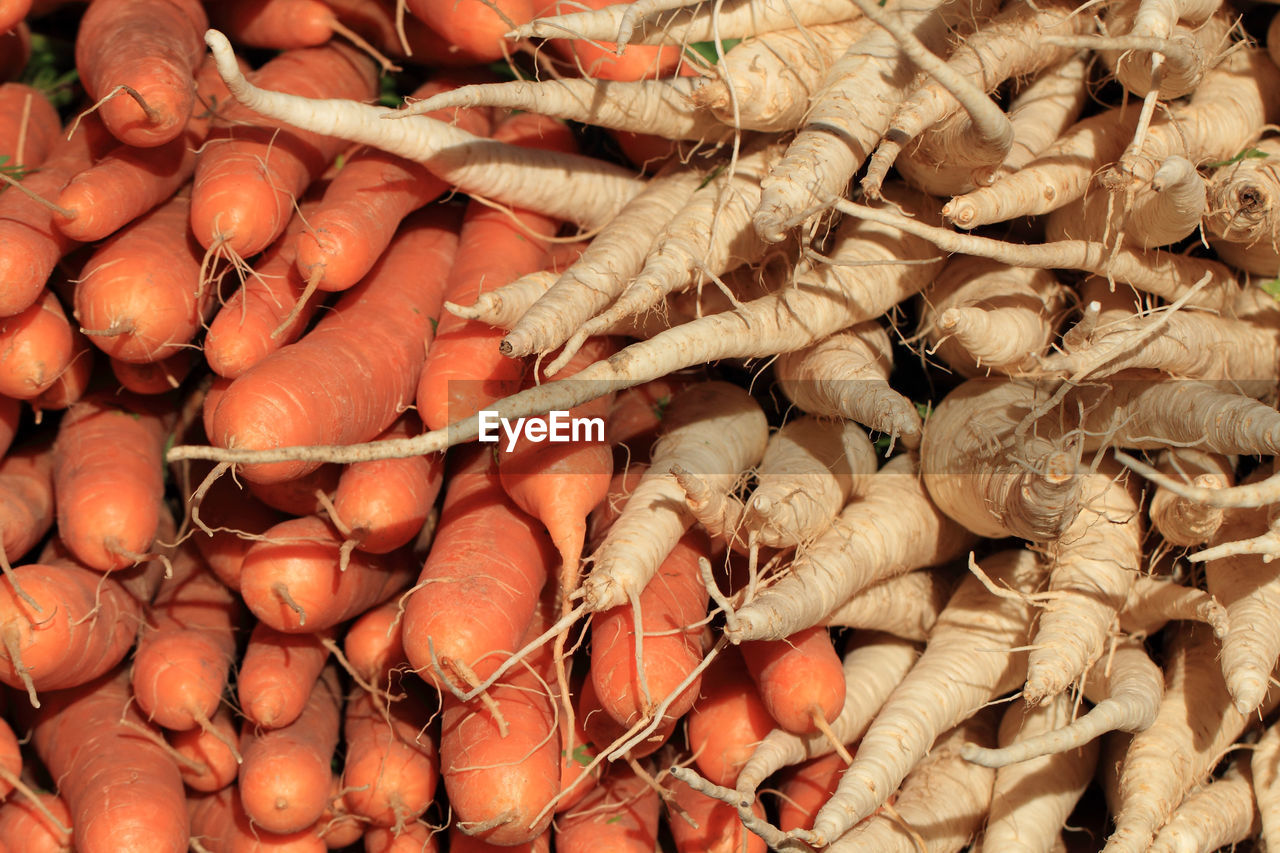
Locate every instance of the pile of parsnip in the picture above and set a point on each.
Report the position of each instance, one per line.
(916, 364)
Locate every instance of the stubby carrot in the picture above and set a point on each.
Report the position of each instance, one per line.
(26, 498)
(392, 768)
(123, 790)
(36, 346)
(219, 823)
(28, 124)
(212, 760)
(620, 815)
(147, 88)
(300, 495)
(227, 509)
(277, 673)
(800, 678)
(474, 28)
(154, 377)
(373, 644)
(109, 476)
(293, 581)
(603, 60)
(728, 720)
(322, 388)
(24, 827)
(285, 778)
(714, 826)
(804, 788)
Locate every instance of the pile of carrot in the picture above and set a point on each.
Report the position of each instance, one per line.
(667, 425)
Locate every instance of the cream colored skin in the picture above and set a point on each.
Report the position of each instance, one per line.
(1265, 767)
(1218, 815)
(906, 606)
(1182, 522)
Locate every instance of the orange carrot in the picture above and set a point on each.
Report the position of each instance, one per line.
(275, 24)
(727, 721)
(414, 838)
(25, 828)
(147, 89)
(185, 652)
(250, 172)
(604, 732)
(806, 788)
(73, 382)
(619, 815)
(129, 181)
(123, 791)
(28, 123)
(671, 607)
(383, 504)
(36, 346)
(479, 586)
(286, 777)
(26, 498)
(369, 198)
(465, 371)
(460, 842)
(15, 39)
(373, 645)
(109, 478)
(219, 822)
(140, 296)
(228, 509)
(474, 28)
(213, 765)
(277, 674)
(293, 582)
(798, 678)
(392, 769)
(10, 414)
(319, 390)
(601, 60)
(716, 827)
(154, 377)
(338, 827)
(300, 495)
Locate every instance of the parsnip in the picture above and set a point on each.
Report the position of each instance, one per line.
(905, 606)
(1219, 815)
(1265, 766)
(1243, 220)
(1180, 521)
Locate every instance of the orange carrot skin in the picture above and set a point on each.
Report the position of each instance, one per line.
(250, 173)
(727, 721)
(202, 745)
(285, 778)
(375, 20)
(30, 245)
(274, 24)
(414, 838)
(36, 346)
(228, 507)
(479, 586)
(184, 655)
(10, 755)
(26, 498)
(619, 815)
(604, 731)
(474, 28)
(384, 503)
(15, 47)
(465, 371)
(72, 383)
(56, 651)
(719, 828)
(301, 556)
(298, 496)
(153, 377)
(140, 293)
(277, 673)
(130, 181)
(576, 754)
(391, 770)
(109, 479)
(602, 60)
(10, 415)
(674, 600)
(806, 788)
(373, 644)
(42, 123)
(25, 829)
(795, 675)
(165, 40)
(369, 198)
(338, 827)
(123, 791)
(460, 842)
(323, 390)
(220, 822)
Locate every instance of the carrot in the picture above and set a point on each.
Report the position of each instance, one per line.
(292, 579)
(301, 495)
(970, 660)
(603, 732)
(377, 329)
(36, 346)
(250, 172)
(28, 125)
(10, 414)
(477, 591)
(608, 61)
(13, 13)
(220, 824)
(465, 371)
(391, 768)
(461, 842)
(588, 191)
(285, 777)
(26, 499)
(414, 838)
(108, 474)
(212, 758)
(73, 382)
(277, 674)
(280, 24)
(140, 296)
(25, 828)
(154, 377)
(373, 644)
(501, 787)
(714, 826)
(803, 789)
(629, 675)
(621, 814)
(799, 678)
(147, 93)
(382, 505)
(367, 200)
(474, 28)
(185, 652)
(129, 181)
(32, 245)
(337, 826)
(227, 509)
(123, 791)
(728, 719)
